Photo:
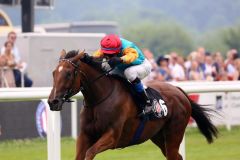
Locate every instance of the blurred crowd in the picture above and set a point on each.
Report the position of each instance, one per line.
(12, 68)
(199, 65)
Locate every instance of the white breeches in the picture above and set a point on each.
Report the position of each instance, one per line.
(140, 71)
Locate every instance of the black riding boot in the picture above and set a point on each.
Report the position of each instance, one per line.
(147, 102)
(146, 108)
(145, 97)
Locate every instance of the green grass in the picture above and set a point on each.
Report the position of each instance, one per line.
(226, 147)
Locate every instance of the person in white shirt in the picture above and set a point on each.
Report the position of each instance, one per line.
(11, 37)
(21, 66)
(177, 71)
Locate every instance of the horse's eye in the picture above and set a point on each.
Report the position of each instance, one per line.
(68, 75)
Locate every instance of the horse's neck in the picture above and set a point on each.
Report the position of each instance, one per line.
(94, 87)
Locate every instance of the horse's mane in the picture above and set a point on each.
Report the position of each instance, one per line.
(96, 63)
(71, 54)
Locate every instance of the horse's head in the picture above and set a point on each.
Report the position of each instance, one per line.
(66, 79)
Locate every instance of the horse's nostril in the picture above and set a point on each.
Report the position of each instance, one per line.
(55, 101)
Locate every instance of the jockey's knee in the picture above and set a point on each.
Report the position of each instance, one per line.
(130, 74)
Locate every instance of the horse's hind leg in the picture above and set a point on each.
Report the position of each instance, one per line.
(159, 140)
(173, 137)
(171, 152)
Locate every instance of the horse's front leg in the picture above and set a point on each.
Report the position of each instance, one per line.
(108, 140)
(83, 144)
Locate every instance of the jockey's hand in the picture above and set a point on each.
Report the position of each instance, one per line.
(87, 58)
(114, 61)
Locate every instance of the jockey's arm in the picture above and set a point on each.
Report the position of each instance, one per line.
(97, 54)
(129, 55)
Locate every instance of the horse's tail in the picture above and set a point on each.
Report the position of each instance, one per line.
(201, 116)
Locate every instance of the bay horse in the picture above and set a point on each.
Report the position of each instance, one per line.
(109, 117)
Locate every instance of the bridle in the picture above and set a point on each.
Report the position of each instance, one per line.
(70, 92)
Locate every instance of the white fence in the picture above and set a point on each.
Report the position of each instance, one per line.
(53, 120)
(53, 136)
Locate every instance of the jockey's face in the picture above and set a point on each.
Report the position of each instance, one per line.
(110, 55)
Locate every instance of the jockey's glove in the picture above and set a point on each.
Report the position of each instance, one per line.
(86, 58)
(114, 61)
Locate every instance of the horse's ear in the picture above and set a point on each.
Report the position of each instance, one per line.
(62, 54)
(80, 55)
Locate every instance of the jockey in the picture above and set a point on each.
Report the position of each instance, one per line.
(127, 60)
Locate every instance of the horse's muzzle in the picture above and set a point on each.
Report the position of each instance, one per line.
(55, 104)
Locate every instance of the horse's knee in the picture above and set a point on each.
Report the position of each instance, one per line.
(90, 154)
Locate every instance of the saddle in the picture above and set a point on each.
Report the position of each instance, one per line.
(159, 108)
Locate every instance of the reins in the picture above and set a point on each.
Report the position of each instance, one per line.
(101, 75)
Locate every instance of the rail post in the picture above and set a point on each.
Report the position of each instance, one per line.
(53, 133)
(74, 118)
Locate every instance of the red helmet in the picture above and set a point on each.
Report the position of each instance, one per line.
(111, 44)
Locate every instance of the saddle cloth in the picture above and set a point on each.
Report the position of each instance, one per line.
(159, 108)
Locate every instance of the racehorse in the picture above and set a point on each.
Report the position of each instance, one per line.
(109, 117)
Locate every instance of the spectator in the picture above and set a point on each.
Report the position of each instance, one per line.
(7, 63)
(12, 36)
(219, 72)
(177, 71)
(195, 73)
(217, 63)
(181, 61)
(229, 65)
(190, 57)
(237, 64)
(201, 58)
(209, 69)
(163, 69)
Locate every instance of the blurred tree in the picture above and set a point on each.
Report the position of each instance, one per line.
(213, 41)
(160, 38)
(231, 37)
(222, 39)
